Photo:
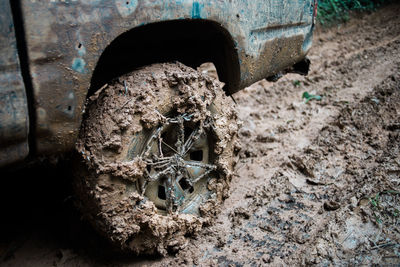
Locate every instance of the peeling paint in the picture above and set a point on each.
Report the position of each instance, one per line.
(126, 7)
(68, 104)
(78, 64)
(81, 51)
(196, 10)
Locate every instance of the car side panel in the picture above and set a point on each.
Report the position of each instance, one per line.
(14, 120)
(66, 38)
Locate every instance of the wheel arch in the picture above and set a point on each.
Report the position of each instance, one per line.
(191, 42)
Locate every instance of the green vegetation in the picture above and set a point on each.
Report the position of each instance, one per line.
(330, 11)
(385, 207)
(309, 97)
(296, 83)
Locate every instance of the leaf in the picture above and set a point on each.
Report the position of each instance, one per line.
(309, 97)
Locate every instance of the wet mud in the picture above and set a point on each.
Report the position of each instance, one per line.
(317, 183)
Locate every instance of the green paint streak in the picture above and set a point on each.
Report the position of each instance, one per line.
(196, 9)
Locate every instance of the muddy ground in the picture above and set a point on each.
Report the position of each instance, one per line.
(317, 182)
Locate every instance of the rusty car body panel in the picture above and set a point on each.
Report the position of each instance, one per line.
(67, 41)
(14, 120)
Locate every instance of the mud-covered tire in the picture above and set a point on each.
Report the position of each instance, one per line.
(145, 123)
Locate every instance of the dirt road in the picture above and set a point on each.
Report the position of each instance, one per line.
(317, 182)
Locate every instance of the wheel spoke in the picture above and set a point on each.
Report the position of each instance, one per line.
(170, 147)
(170, 194)
(159, 164)
(198, 178)
(159, 145)
(158, 161)
(190, 177)
(208, 168)
(200, 164)
(149, 144)
(178, 177)
(143, 187)
(193, 137)
(160, 174)
(181, 136)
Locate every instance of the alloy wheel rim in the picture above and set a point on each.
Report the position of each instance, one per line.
(179, 159)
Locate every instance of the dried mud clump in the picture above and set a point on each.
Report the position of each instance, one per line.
(106, 180)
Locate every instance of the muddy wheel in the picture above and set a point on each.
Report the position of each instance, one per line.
(156, 156)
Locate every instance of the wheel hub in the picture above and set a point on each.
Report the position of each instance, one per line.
(179, 165)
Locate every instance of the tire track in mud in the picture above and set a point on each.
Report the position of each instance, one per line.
(283, 200)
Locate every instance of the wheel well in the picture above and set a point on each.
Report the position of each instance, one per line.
(191, 42)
